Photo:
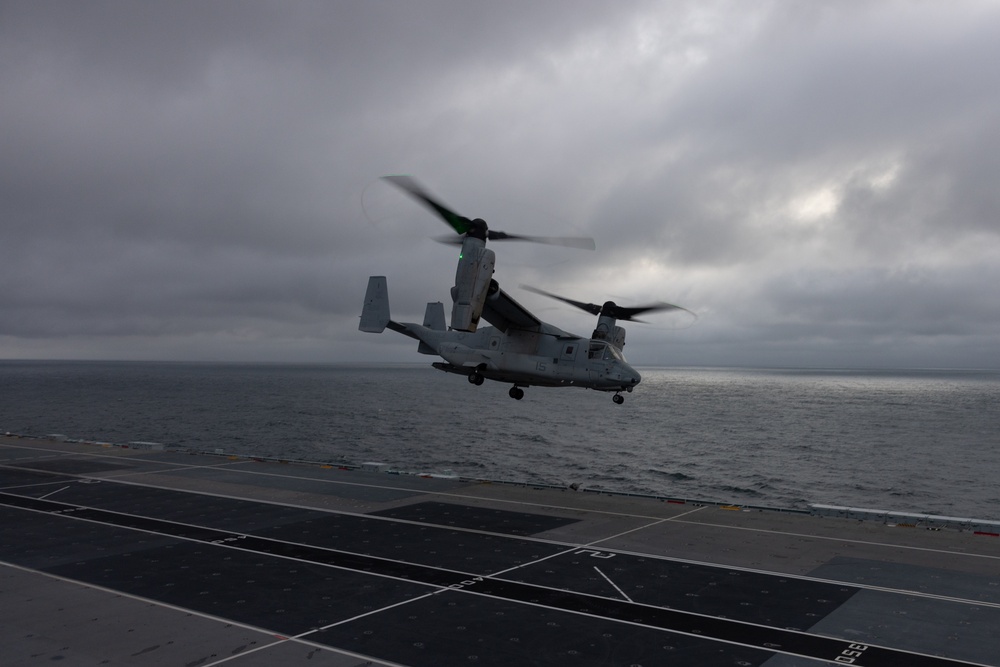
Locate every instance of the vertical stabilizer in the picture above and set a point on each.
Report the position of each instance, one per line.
(375, 314)
(434, 320)
(434, 316)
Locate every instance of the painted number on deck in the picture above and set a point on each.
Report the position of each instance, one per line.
(850, 654)
(595, 554)
(466, 583)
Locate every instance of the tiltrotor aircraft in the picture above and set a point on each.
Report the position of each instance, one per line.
(519, 348)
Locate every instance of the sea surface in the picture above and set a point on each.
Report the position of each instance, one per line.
(919, 441)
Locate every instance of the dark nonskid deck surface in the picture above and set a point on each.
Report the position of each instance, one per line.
(458, 574)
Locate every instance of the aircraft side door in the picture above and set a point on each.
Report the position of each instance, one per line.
(566, 363)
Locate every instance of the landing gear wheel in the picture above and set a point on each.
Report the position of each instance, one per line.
(476, 378)
(618, 398)
(516, 393)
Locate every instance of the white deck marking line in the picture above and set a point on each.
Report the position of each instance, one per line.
(110, 474)
(52, 493)
(278, 638)
(637, 516)
(593, 511)
(472, 591)
(244, 460)
(30, 486)
(301, 637)
(439, 588)
(842, 539)
(770, 649)
(418, 491)
(800, 577)
(608, 579)
(372, 612)
(231, 465)
(176, 467)
(698, 509)
(803, 577)
(60, 454)
(237, 534)
(313, 508)
(624, 532)
(369, 660)
(36, 458)
(571, 547)
(132, 596)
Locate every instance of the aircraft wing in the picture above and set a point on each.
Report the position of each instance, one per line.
(503, 312)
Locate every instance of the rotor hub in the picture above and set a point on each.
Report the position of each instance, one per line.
(478, 229)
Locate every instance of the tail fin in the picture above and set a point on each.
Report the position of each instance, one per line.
(433, 320)
(375, 314)
(434, 316)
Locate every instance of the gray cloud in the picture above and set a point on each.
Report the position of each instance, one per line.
(191, 180)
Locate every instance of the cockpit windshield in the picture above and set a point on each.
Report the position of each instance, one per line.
(601, 350)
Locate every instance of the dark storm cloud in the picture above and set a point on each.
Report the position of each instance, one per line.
(198, 180)
(173, 158)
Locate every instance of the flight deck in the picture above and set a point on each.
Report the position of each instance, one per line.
(138, 555)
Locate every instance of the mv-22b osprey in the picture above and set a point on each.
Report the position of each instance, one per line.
(519, 348)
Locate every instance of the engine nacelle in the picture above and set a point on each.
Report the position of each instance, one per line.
(619, 338)
(472, 283)
(607, 330)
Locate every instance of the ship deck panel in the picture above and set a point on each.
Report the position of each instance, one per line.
(115, 555)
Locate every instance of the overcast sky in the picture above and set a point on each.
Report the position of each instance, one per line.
(818, 181)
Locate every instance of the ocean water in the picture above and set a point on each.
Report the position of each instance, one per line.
(921, 441)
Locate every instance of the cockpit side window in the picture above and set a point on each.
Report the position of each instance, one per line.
(604, 352)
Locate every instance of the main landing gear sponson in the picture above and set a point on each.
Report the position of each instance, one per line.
(476, 378)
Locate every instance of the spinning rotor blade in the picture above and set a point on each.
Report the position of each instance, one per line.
(628, 314)
(591, 308)
(610, 308)
(477, 227)
(459, 223)
(581, 242)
